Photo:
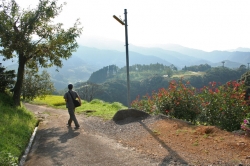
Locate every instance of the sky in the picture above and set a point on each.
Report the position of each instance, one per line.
(201, 24)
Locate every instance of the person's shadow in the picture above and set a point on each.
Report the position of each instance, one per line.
(69, 135)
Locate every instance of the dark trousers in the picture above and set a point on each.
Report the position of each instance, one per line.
(72, 117)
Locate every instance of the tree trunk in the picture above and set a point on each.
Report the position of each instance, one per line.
(19, 81)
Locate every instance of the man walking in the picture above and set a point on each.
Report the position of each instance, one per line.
(69, 97)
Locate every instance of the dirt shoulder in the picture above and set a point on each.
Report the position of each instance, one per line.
(155, 140)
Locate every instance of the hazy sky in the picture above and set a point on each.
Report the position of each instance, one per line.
(202, 24)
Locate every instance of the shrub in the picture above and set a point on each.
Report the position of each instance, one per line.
(178, 101)
(246, 124)
(222, 106)
(185, 102)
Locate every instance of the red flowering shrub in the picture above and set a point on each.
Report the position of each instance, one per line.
(184, 101)
(179, 101)
(223, 106)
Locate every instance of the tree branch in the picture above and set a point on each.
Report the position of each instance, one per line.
(15, 27)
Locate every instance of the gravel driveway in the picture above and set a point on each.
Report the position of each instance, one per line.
(92, 144)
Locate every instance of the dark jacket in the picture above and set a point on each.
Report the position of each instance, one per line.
(67, 96)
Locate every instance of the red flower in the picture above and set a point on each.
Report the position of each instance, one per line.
(217, 90)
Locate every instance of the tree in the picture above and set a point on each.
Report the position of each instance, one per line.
(35, 85)
(201, 67)
(169, 72)
(173, 67)
(6, 78)
(88, 90)
(221, 75)
(30, 36)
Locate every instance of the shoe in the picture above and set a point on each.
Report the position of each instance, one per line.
(77, 127)
(68, 125)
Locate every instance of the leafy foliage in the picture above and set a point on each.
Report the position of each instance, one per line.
(196, 68)
(6, 100)
(145, 79)
(113, 90)
(136, 72)
(246, 124)
(30, 36)
(223, 106)
(103, 74)
(6, 79)
(222, 75)
(246, 79)
(87, 90)
(178, 101)
(36, 85)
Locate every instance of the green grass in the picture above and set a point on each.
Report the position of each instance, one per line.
(51, 100)
(100, 108)
(16, 127)
(96, 107)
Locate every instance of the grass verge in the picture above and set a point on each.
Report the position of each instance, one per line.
(16, 127)
(96, 107)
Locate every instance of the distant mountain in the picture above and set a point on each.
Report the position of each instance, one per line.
(213, 57)
(183, 50)
(88, 60)
(176, 58)
(242, 57)
(240, 49)
(100, 58)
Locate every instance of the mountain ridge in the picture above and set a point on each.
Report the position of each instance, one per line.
(87, 60)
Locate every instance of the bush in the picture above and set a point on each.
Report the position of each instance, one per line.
(246, 124)
(222, 106)
(6, 79)
(178, 101)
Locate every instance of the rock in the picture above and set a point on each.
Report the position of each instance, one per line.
(239, 132)
(129, 113)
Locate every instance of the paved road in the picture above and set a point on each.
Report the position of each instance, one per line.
(55, 144)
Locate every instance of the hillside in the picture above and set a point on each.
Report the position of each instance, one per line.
(88, 60)
(111, 85)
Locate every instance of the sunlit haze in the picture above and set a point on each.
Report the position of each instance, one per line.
(201, 24)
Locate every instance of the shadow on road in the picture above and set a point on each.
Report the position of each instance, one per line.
(47, 145)
(69, 135)
(173, 156)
